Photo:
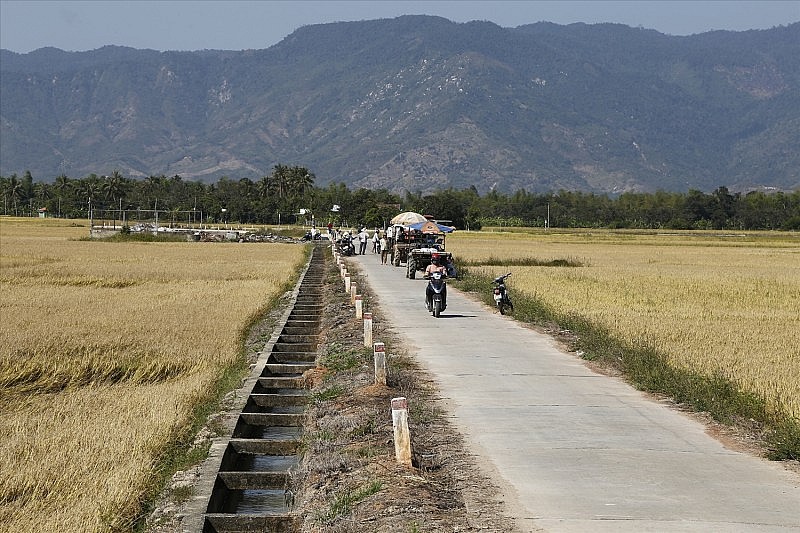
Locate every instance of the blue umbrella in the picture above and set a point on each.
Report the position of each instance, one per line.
(431, 227)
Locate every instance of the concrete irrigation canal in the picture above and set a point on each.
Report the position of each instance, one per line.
(251, 488)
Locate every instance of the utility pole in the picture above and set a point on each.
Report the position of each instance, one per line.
(547, 220)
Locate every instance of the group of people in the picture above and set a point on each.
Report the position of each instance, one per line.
(382, 242)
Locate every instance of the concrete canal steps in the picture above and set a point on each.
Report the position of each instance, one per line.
(252, 489)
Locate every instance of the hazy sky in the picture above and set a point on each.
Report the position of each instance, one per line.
(235, 25)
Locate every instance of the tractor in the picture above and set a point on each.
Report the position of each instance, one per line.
(417, 244)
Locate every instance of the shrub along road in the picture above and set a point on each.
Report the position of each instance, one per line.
(575, 450)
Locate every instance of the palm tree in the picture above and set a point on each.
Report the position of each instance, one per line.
(263, 187)
(246, 188)
(62, 185)
(4, 187)
(279, 180)
(300, 180)
(89, 188)
(42, 192)
(153, 185)
(14, 190)
(114, 187)
(174, 212)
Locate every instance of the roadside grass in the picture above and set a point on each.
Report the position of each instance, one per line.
(343, 503)
(521, 261)
(346, 421)
(650, 370)
(339, 358)
(336, 437)
(327, 393)
(146, 236)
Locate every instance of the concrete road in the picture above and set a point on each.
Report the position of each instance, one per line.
(576, 451)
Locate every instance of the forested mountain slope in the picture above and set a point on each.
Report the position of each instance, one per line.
(419, 103)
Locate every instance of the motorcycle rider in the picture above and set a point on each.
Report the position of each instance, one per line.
(435, 266)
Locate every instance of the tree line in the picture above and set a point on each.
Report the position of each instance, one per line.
(288, 195)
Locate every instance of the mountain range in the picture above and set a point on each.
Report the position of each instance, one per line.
(420, 103)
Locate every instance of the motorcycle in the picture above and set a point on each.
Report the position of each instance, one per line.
(435, 293)
(346, 246)
(501, 297)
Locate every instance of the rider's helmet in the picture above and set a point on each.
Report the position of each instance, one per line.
(435, 259)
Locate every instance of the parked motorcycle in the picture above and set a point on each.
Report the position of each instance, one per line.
(346, 246)
(501, 297)
(435, 293)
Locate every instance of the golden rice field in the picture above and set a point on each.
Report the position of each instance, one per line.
(105, 349)
(719, 304)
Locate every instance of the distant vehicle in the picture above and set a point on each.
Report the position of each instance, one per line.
(416, 243)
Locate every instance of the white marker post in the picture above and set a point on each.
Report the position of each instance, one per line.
(353, 291)
(402, 437)
(359, 306)
(347, 284)
(379, 355)
(367, 329)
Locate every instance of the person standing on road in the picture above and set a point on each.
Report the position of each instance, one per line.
(390, 241)
(390, 236)
(363, 236)
(376, 238)
(384, 246)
